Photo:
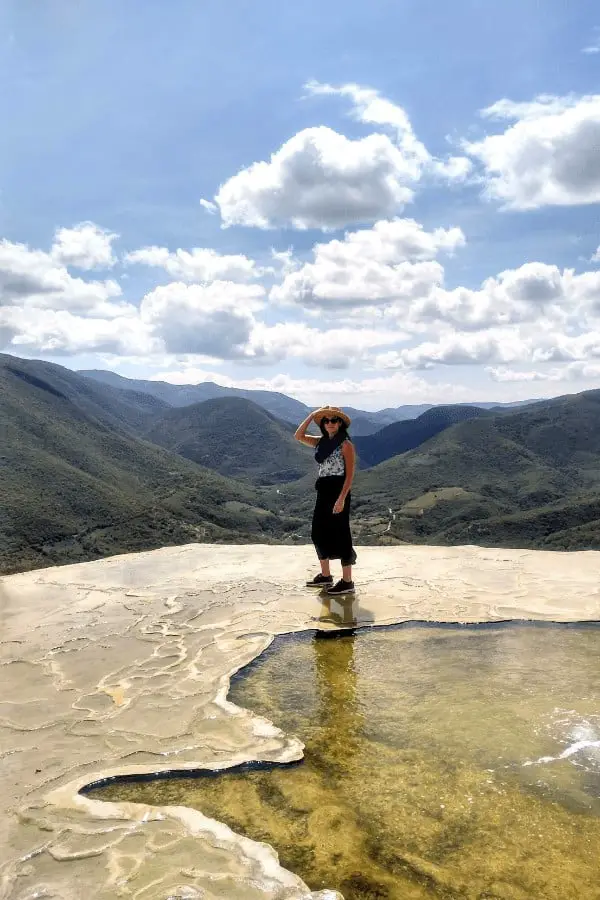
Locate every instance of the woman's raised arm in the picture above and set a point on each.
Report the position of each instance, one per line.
(301, 434)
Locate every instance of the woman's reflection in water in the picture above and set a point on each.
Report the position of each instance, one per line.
(338, 738)
(330, 610)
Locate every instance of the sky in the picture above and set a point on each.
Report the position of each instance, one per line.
(367, 204)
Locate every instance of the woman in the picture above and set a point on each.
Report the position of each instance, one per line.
(331, 519)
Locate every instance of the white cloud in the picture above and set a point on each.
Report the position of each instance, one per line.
(393, 241)
(335, 348)
(393, 261)
(535, 292)
(86, 246)
(370, 108)
(198, 264)
(503, 374)
(558, 347)
(456, 349)
(377, 314)
(320, 179)
(210, 207)
(33, 278)
(455, 168)
(60, 333)
(548, 157)
(511, 344)
(594, 46)
(285, 260)
(575, 371)
(387, 275)
(44, 309)
(596, 256)
(212, 320)
(583, 293)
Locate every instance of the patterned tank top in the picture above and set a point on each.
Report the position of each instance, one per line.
(334, 464)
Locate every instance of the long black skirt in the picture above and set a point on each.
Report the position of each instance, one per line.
(330, 531)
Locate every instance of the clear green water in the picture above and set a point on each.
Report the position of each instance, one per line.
(432, 765)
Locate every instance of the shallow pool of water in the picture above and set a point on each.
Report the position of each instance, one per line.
(440, 761)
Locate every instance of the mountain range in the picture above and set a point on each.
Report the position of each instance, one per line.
(279, 405)
(524, 478)
(78, 480)
(408, 434)
(89, 469)
(235, 437)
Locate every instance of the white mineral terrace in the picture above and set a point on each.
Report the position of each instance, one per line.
(123, 666)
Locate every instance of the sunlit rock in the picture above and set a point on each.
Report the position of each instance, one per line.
(122, 666)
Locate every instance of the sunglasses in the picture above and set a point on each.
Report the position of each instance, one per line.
(334, 421)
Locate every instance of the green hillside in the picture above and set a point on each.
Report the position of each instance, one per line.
(521, 479)
(235, 437)
(573, 525)
(79, 480)
(400, 437)
(525, 478)
(77, 485)
(564, 431)
(279, 405)
(124, 409)
(478, 454)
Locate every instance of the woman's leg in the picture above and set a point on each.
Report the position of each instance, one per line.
(349, 555)
(320, 528)
(330, 532)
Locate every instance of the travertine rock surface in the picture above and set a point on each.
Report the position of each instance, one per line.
(123, 665)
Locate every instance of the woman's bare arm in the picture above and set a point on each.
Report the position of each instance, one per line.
(349, 454)
(301, 434)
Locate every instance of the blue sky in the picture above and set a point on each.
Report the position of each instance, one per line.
(127, 115)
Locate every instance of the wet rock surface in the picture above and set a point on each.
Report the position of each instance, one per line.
(122, 666)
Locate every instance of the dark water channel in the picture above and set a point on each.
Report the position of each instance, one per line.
(440, 762)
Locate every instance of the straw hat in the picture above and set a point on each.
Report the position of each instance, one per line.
(329, 412)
